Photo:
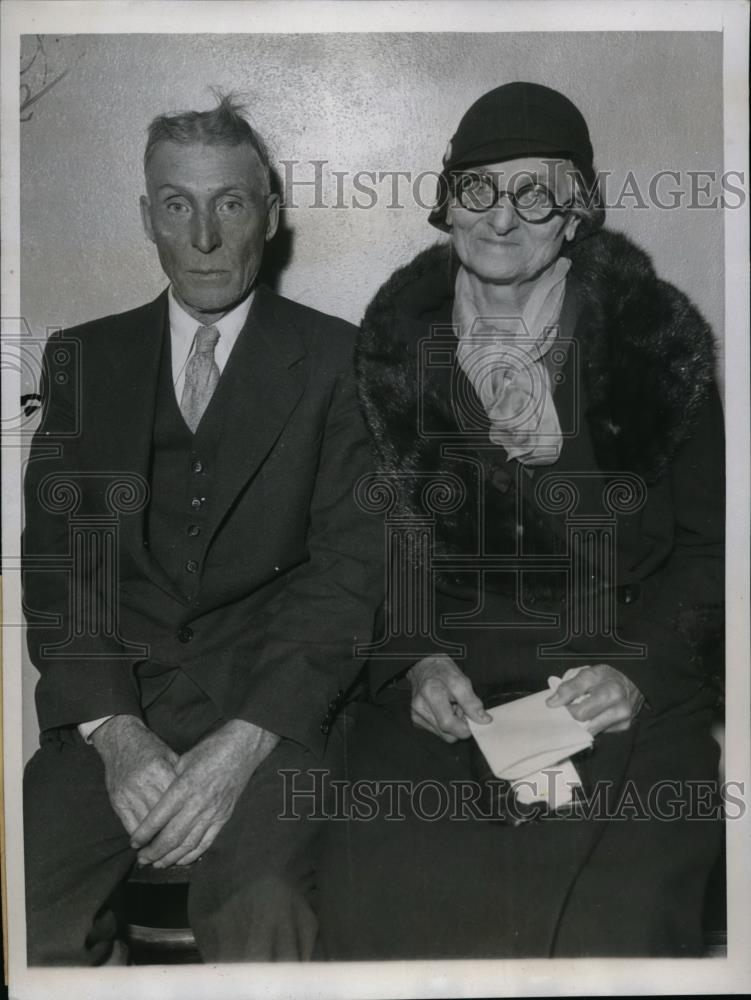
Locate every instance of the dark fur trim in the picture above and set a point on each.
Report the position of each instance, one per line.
(647, 362)
(648, 356)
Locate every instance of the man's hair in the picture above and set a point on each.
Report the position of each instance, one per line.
(225, 125)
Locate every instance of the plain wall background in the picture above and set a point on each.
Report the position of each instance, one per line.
(381, 102)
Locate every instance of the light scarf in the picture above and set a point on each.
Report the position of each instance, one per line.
(503, 358)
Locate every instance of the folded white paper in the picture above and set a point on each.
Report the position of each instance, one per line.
(526, 736)
(555, 786)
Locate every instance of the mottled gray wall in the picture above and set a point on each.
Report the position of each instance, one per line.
(361, 102)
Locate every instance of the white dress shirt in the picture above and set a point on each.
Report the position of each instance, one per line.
(183, 337)
(183, 329)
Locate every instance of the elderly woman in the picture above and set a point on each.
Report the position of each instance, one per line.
(543, 410)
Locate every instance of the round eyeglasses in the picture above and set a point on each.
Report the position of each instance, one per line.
(532, 202)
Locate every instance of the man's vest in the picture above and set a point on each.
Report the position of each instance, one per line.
(182, 481)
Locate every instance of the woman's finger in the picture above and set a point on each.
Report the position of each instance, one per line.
(463, 694)
(442, 706)
(423, 718)
(575, 687)
(611, 720)
(605, 696)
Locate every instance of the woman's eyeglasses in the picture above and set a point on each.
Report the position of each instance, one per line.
(533, 202)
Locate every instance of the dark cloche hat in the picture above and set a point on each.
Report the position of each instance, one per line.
(511, 122)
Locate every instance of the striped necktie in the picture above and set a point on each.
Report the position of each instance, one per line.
(201, 377)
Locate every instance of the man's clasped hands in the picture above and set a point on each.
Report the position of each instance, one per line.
(173, 806)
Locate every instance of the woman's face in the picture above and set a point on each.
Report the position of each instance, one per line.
(497, 244)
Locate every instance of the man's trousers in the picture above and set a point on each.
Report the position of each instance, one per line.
(251, 896)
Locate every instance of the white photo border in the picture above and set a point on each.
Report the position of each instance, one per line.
(419, 979)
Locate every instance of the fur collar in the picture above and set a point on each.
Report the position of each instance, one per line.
(647, 362)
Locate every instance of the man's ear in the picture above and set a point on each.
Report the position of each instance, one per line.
(272, 219)
(146, 217)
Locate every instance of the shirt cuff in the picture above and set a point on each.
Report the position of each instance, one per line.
(87, 728)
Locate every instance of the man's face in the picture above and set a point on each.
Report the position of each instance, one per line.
(498, 245)
(208, 211)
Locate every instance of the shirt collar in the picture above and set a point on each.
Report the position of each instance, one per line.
(183, 326)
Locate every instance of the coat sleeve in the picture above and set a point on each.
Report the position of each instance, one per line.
(679, 615)
(294, 674)
(90, 677)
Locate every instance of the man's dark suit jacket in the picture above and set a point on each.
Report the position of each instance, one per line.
(290, 569)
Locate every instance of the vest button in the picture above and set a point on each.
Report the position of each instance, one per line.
(185, 634)
(628, 593)
(191, 566)
(196, 466)
(197, 502)
(193, 530)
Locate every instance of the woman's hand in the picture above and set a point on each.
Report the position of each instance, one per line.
(609, 700)
(443, 698)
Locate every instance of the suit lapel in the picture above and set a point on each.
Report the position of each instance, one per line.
(260, 387)
(132, 403)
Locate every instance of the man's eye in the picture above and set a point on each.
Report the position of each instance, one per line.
(176, 208)
(231, 206)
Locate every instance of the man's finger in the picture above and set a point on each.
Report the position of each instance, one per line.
(184, 828)
(139, 800)
(191, 841)
(205, 843)
(128, 818)
(168, 806)
(208, 839)
(129, 801)
(151, 793)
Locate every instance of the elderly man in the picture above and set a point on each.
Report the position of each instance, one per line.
(245, 574)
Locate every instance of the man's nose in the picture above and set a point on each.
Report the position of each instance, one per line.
(205, 233)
